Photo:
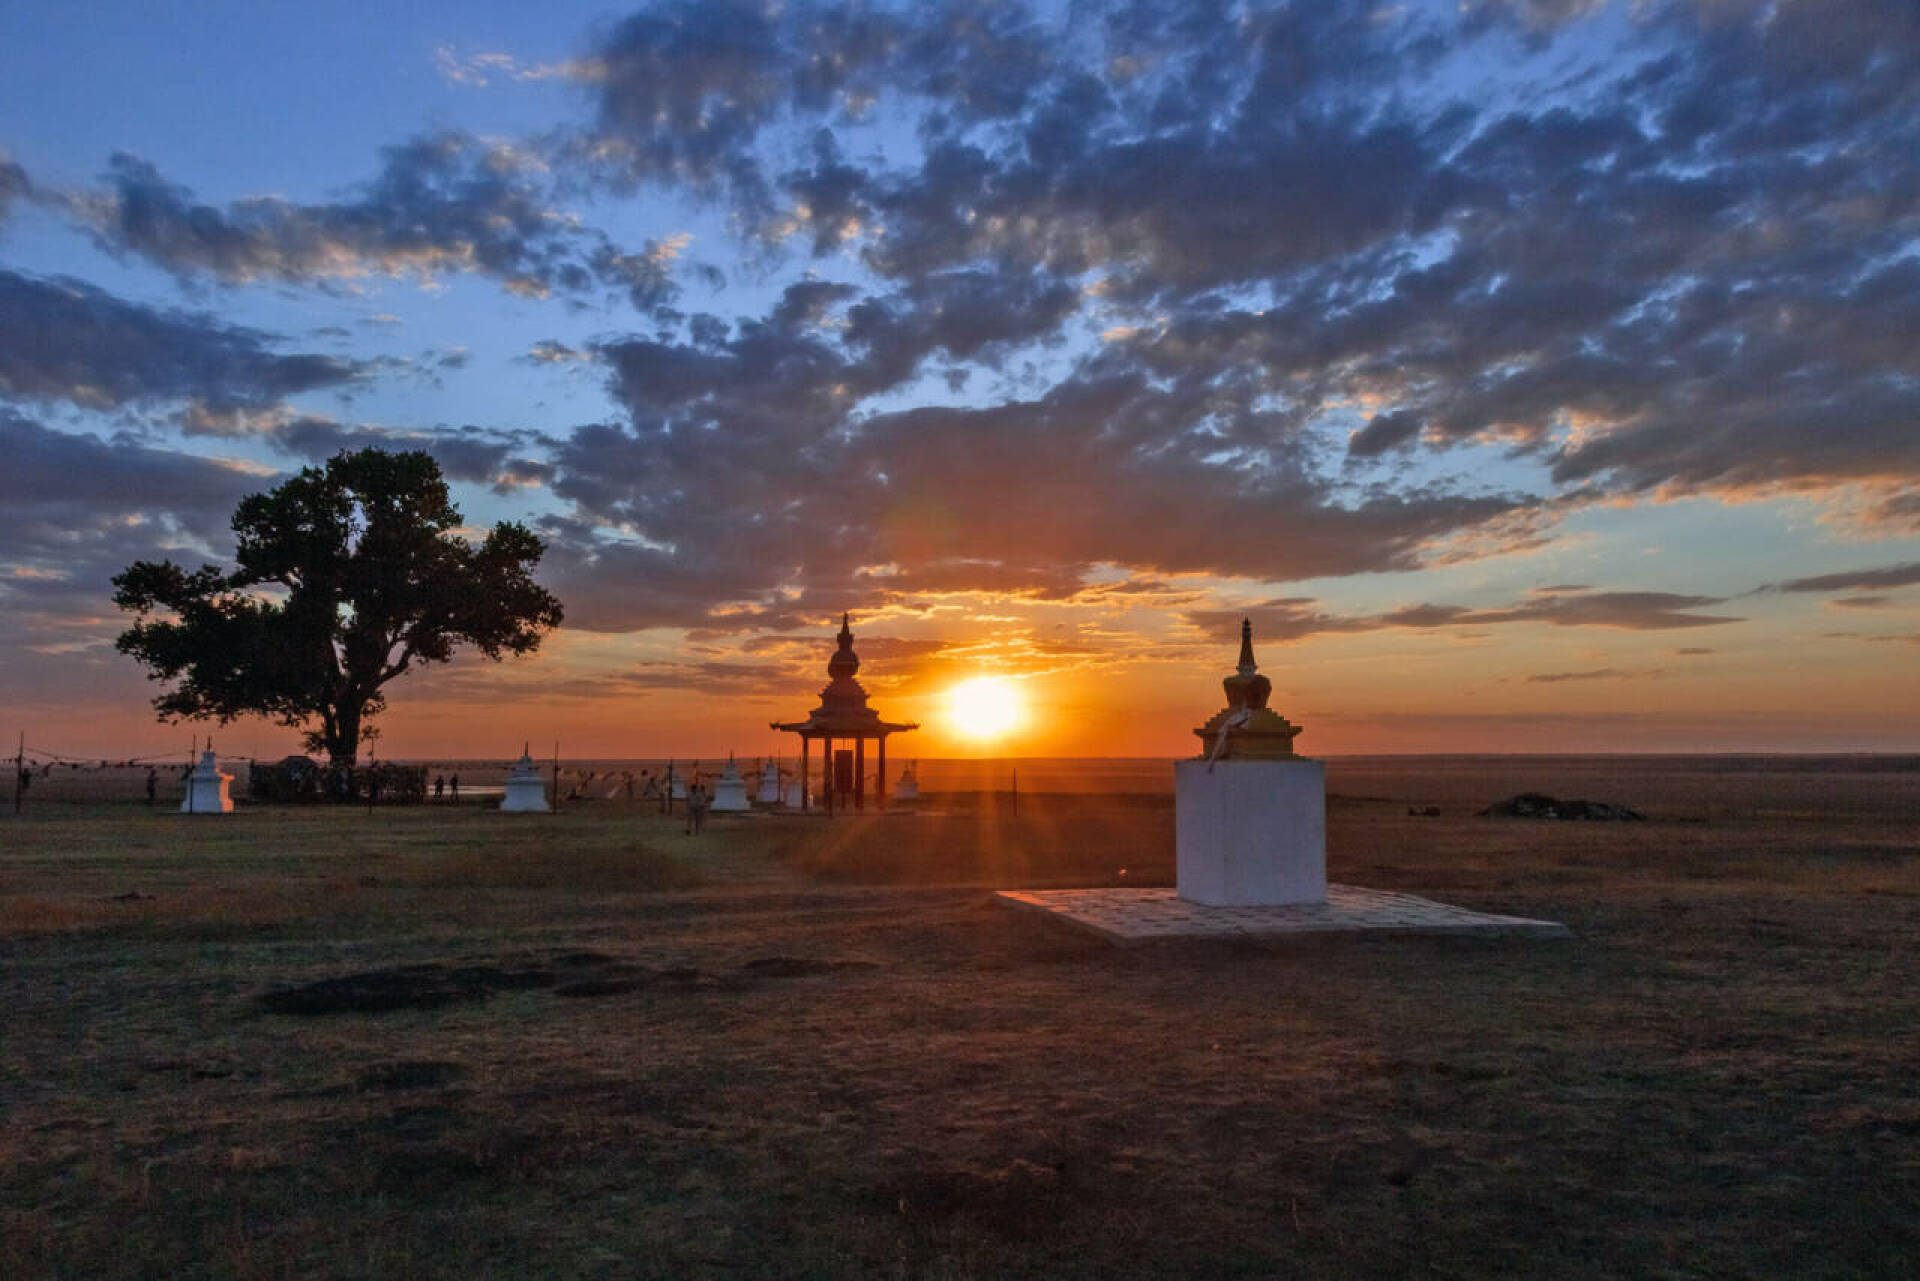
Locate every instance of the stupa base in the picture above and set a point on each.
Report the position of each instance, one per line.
(1251, 833)
(1128, 918)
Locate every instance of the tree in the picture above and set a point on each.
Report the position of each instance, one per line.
(347, 576)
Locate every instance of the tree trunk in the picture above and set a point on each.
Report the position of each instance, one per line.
(343, 745)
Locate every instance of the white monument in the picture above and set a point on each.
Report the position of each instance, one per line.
(526, 790)
(1250, 831)
(908, 788)
(677, 786)
(730, 790)
(795, 796)
(207, 788)
(1250, 817)
(769, 793)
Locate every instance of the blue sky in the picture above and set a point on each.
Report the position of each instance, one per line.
(1511, 364)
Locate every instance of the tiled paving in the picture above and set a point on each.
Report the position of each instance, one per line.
(1128, 917)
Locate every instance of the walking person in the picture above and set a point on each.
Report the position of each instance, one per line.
(697, 804)
(453, 786)
(153, 785)
(439, 786)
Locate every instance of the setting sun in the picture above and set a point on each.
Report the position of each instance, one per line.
(984, 707)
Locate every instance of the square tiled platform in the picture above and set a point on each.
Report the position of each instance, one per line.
(1128, 917)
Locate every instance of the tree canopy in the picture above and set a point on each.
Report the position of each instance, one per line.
(347, 576)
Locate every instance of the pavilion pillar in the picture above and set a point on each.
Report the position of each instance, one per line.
(826, 772)
(860, 773)
(880, 784)
(805, 741)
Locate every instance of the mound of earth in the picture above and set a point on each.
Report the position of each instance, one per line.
(1540, 805)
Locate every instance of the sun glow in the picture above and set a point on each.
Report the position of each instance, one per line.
(985, 707)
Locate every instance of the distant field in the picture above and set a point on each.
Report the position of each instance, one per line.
(441, 1041)
(1824, 784)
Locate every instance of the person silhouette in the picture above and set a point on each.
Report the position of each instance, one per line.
(697, 805)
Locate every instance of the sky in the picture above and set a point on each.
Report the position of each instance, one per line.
(1538, 375)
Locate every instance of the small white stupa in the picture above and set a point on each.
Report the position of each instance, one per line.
(769, 793)
(730, 791)
(908, 788)
(794, 795)
(526, 790)
(207, 788)
(678, 788)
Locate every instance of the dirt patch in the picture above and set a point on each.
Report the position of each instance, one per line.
(433, 984)
(1019, 1200)
(599, 987)
(409, 1074)
(794, 967)
(409, 987)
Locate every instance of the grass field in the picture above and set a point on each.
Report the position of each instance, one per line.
(444, 1042)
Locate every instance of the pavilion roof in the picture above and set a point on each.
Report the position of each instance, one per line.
(843, 710)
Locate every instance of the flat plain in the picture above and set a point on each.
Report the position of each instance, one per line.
(440, 1041)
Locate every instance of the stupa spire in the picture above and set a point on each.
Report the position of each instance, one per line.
(1246, 727)
(844, 662)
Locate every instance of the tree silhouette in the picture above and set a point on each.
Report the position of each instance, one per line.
(347, 576)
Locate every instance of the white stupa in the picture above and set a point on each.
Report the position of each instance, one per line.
(794, 797)
(769, 793)
(526, 790)
(207, 788)
(678, 789)
(1250, 816)
(730, 791)
(908, 788)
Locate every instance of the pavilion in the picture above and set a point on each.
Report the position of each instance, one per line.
(843, 715)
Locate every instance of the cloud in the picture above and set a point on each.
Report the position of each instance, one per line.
(1598, 674)
(67, 340)
(550, 351)
(684, 89)
(713, 677)
(812, 649)
(1384, 432)
(503, 459)
(1162, 289)
(1885, 576)
(1681, 269)
(76, 509)
(481, 69)
(444, 203)
(105, 479)
(1294, 618)
(740, 456)
(1288, 223)
(14, 186)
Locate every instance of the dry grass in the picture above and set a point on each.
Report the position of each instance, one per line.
(762, 1074)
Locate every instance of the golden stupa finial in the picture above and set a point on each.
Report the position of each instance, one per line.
(1246, 728)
